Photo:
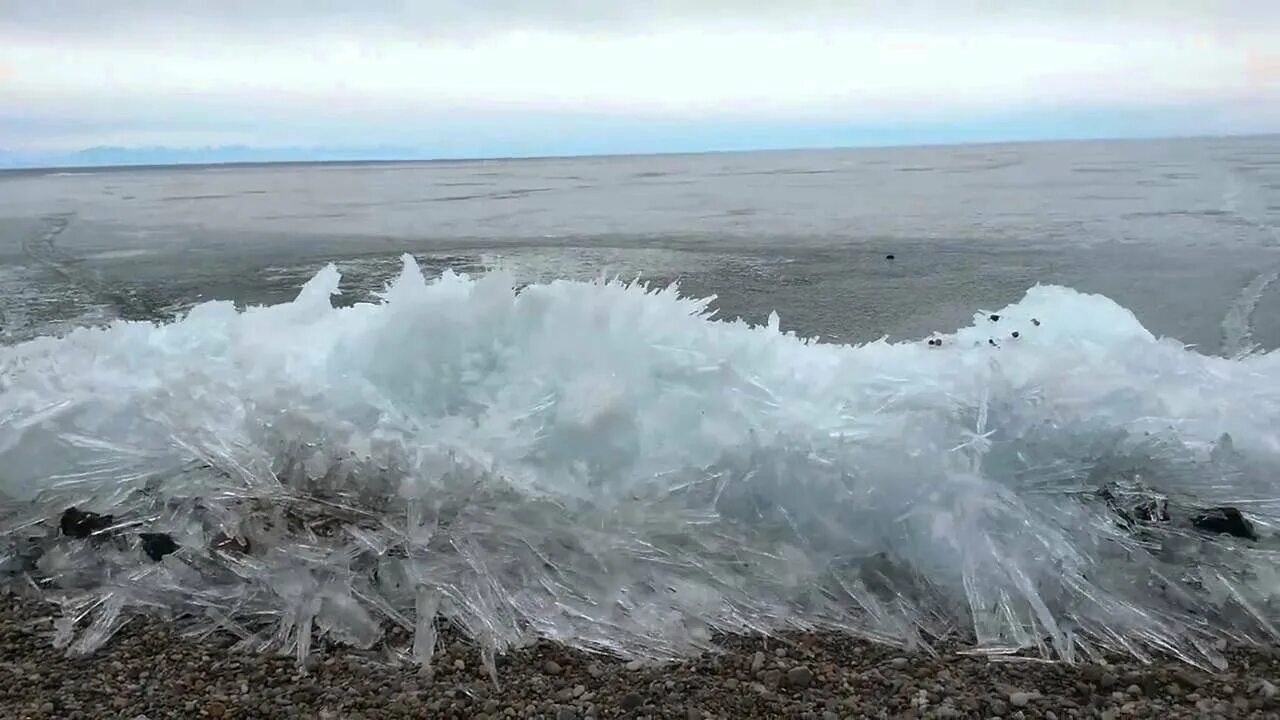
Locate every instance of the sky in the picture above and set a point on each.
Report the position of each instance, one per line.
(514, 77)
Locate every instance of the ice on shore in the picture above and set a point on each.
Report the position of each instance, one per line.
(605, 465)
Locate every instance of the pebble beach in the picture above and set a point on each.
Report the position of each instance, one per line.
(146, 672)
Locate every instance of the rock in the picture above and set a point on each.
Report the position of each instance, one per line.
(631, 701)
(215, 709)
(1188, 678)
(634, 665)
(1266, 689)
(757, 662)
(800, 677)
(1108, 680)
(994, 318)
(79, 524)
(1022, 699)
(1225, 521)
(552, 668)
(888, 257)
(772, 678)
(226, 543)
(157, 545)
(565, 713)
(898, 663)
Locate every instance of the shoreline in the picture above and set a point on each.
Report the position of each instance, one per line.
(147, 672)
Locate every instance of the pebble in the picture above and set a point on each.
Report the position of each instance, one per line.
(799, 677)
(1022, 699)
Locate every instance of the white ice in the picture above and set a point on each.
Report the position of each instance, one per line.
(604, 464)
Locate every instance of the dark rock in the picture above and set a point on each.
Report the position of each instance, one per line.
(631, 701)
(799, 677)
(1015, 334)
(994, 318)
(1225, 521)
(888, 257)
(77, 523)
(157, 545)
(223, 542)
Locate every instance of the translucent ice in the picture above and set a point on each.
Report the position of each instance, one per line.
(603, 464)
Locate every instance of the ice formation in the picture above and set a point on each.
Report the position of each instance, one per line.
(605, 465)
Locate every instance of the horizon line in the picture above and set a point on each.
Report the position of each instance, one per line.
(439, 158)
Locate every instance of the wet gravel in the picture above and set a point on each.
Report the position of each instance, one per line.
(147, 672)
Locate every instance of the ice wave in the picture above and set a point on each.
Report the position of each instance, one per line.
(604, 464)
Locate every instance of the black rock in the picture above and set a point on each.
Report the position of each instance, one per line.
(888, 257)
(1225, 521)
(1015, 334)
(1035, 322)
(78, 523)
(994, 318)
(992, 343)
(157, 545)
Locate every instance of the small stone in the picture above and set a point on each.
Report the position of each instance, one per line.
(631, 701)
(1188, 678)
(634, 665)
(595, 671)
(773, 678)
(800, 677)
(1022, 699)
(215, 709)
(79, 524)
(552, 668)
(157, 545)
(757, 662)
(1133, 690)
(1266, 689)
(566, 714)
(693, 713)
(898, 663)
(1108, 680)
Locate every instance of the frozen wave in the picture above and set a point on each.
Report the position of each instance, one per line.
(603, 464)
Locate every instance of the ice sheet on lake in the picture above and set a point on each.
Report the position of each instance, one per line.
(603, 464)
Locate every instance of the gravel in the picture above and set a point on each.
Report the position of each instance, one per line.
(146, 673)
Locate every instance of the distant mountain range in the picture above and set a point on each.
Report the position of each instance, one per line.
(114, 156)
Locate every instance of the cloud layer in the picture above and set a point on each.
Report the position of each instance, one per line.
(334, 72)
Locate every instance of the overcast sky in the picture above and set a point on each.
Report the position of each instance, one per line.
(570, 75)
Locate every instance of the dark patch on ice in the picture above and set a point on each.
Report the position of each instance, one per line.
(157, 545)
(1225, 521)
(77, 523)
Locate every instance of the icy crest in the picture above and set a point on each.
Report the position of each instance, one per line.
(603, 464)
